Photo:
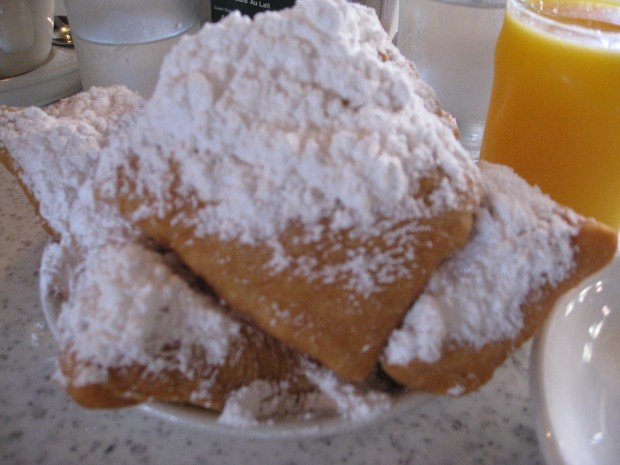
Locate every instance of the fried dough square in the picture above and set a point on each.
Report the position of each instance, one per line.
(133, 329)
(489, 298)
(334, 295)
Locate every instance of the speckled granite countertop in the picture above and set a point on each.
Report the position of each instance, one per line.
(40, 425)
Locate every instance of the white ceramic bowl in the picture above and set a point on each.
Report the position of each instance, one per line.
(575, 375)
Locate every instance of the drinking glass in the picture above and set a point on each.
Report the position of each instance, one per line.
(25, 35)
(452, 42)
(554, 114)
(125, 41)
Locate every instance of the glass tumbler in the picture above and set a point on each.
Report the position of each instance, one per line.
(554, 114)
(125, 41)
(452, 42)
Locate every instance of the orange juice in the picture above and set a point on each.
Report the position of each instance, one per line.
(554, 114)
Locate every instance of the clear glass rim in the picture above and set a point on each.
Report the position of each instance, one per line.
(529, 13)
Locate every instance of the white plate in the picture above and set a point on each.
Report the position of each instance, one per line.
(328, 424)
(575, 376)
(57, 78)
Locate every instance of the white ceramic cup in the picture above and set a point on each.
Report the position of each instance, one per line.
(125, 41)
(25, 35)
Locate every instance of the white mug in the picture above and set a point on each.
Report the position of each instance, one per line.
(125, 41)
(25, 35)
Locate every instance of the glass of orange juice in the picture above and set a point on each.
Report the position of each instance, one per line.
(554, 113)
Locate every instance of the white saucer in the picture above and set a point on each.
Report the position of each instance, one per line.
(575, 376)
(57, 78)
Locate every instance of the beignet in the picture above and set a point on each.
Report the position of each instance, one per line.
(490, 297)
(315, 188)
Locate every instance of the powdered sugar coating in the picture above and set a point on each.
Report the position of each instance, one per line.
(521, 242)
(300, 115)
(57, 150)
(126, 307)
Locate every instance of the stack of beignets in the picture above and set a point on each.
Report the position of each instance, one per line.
(319, 204)
(291, 201)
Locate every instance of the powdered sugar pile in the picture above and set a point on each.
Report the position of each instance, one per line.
(126, 306)
(300, 115)
(59, 149)
(521, 242)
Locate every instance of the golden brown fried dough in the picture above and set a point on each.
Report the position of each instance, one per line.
(254, 356)
(54, 151)
(132, 330)
(336, 309)
(464, 363)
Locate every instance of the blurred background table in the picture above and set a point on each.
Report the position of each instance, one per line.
(40, 425)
